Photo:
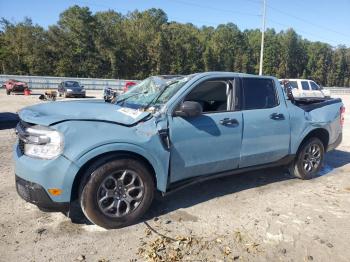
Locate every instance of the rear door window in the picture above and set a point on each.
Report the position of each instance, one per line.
(305, 85)
(259, 93)
(314, 86)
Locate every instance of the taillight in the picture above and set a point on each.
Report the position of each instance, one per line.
(342, 115)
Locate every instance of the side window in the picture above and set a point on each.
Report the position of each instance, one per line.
(212, 95)
(294, 84)
(305, 85)
(314, 86)
(259, 93)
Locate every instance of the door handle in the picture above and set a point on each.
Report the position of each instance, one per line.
(229, 121)
(276, 116)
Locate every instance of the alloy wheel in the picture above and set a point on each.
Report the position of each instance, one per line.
(311, 158)
(120, 193)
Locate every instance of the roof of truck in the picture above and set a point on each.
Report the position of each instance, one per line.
(230, 74)
(295, 79)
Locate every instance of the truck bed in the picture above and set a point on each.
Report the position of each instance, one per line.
(309, 104)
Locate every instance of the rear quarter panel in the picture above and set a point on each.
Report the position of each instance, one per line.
(302, 123)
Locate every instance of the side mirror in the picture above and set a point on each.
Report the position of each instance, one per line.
(189, 109)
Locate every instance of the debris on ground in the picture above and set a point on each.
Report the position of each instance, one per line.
(159, 248)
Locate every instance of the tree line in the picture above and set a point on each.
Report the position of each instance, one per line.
(133, 46)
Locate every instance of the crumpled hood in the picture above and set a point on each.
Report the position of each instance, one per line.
(93, 110)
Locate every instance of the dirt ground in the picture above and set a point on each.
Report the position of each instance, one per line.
(259, 216)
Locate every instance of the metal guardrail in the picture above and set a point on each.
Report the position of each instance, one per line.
(339, 91)
(50, 82)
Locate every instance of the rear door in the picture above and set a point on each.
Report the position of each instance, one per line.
(266, 131)
(211, 142)
(307, 92)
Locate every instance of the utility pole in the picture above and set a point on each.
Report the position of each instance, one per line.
(262, 38)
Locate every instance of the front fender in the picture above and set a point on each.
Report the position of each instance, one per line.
(159, 162)
(84, 140)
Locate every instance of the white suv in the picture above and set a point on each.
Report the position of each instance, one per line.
(305, 88)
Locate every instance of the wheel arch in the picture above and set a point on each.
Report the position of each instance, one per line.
(150, 164)
(320, 133)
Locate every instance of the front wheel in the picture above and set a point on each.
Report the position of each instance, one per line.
(117, 193)
(309, 159)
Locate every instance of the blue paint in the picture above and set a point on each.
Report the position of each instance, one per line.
(199, 146)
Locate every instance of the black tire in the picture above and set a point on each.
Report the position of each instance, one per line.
(8, 92)
(59, 94)
(91, 188)
(299, 167)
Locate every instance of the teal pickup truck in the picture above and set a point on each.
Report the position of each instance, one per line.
(111, 159)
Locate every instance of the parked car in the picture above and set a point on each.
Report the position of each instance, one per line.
(71, 89)
(306, 88)
(197, 127)
(128, 86)
(14, 86)
(109, 94)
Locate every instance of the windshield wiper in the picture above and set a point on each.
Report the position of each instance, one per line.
(132, 95)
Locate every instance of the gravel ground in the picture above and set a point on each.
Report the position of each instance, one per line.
(259, 216)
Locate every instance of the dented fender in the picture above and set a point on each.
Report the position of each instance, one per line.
(304, 122)
(85, 140)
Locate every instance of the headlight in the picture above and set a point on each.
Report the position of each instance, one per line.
(69, 90)
(42, 142)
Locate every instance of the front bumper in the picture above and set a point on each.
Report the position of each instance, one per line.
(56, 173)
(37, 195)
(76, 93)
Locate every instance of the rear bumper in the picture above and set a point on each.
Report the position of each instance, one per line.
(37, 195)
(336, 143)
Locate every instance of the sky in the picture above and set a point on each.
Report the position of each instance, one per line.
(317, 20)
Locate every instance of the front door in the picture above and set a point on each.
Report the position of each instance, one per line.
(316, 90)
(209, 143)
(266, 131)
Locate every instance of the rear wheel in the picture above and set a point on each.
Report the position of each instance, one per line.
(117, 193)
(8, 92)
(309, 159)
